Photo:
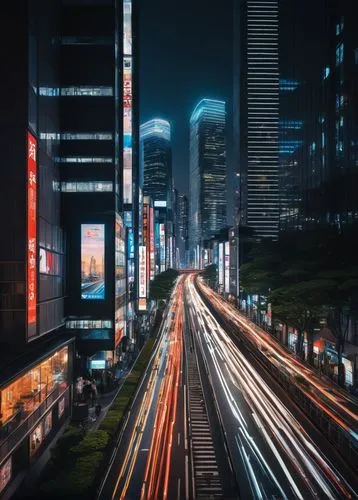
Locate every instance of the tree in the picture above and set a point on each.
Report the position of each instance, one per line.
(162, 285)
(300, 306)
(342, 302)
(209, 274)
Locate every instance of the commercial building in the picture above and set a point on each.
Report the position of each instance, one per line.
(35, 360)
(68, 198)
(207, 173)
(95, 188)
(256, 113)
(183, 226)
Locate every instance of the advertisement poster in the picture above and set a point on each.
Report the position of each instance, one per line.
(92, 262)
(227, 267)
(31, 234)
(5, 473)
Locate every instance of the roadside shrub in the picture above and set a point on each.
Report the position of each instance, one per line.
(93, 441)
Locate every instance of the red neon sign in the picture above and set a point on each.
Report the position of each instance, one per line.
(31, 233)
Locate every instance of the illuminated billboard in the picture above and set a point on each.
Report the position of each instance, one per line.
(31, 234)
(162, 246)
(151, 245)
(120, 279)
(142, 272)
(127, 130)
(92, 261)
(227, 267)
(221, 264)
(127, 27)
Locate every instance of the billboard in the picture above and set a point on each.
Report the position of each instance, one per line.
(142, 272)
(120, 278)
(221, 264)
(227, 267)
(130, 243)
(127, 128)
(92, 261)
(151, 245)
(31, 271)
(127, 27)
(162, 246)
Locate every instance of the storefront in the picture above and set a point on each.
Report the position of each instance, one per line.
(27, 392)
(34, 404)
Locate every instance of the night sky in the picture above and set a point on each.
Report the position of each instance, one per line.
(185, 55)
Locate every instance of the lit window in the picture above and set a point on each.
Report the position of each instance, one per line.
(87, 91)
(339, 54)
(87, 187)
(326, 72)
(84, 159)
(49, 91)
(87, 136)
(86, 324)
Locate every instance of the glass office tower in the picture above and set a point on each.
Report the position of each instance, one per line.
(207, 171)
(256, 93)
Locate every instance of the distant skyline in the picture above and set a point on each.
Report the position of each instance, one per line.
(182, 62)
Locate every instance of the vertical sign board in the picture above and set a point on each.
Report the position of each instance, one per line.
(120, 288)
(162, 246)
(127, 102)
(152, 246)
(221, 264)
(142, 272)
(227, 267)
(31, 235)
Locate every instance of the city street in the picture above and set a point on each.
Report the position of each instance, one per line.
(270, 444)
(142, 459)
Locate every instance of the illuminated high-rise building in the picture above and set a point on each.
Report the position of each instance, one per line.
(207, 171)
(256, 113)
(156, 157)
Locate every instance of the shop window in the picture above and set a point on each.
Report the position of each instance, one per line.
(36, 438)
(48, 424)
(20, 398)
(61, 407)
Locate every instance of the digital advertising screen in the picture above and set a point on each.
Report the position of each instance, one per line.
(31, 234)
(92, 261)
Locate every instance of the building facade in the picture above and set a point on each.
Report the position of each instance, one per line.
(208, 171)
(35, 357)
(156, 172)
(256, 113)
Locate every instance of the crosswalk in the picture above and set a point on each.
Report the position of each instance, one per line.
(207, 481)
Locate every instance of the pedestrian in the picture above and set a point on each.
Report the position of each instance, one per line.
(98, 409)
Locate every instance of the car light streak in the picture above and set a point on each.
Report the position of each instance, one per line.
(157, 471)
(292, 451)
(331, 400)
(161, 358)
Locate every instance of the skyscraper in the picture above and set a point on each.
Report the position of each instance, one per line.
(256, 93)
(207, 171)
(156, 158)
